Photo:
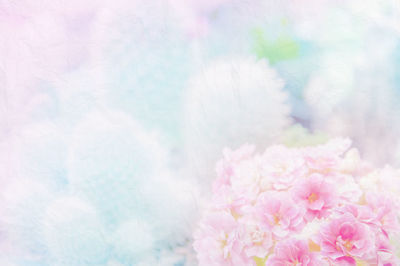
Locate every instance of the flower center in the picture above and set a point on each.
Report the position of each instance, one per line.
(224, 240)
(312, 198)
(348, 245)
(257, 237)
(225, 246)
(223, 243)
(277, 219)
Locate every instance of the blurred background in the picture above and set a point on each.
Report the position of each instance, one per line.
(113, 114)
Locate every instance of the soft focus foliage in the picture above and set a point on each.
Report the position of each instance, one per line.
(225, 105)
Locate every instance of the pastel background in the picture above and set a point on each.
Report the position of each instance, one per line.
(113, 114)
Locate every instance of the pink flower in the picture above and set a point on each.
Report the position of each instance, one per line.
(227, 200)
(283, 166)
(257, 241)
(217, 241)
(352, 164)
(316, 194)
(362, 213)
(346, 188)
(385, 211)
(344, 261)
(267, 203)
(279, 214)
(248, 179)
(345, 236)
(225, 167)
(293, 252)
(325, 158)
(385, 252)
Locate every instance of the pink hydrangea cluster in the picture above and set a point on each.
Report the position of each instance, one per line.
(319, 205)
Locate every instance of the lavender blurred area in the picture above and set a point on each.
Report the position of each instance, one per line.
(114, 113)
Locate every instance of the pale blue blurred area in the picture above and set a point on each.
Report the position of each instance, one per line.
(396, 68)
(148, 82)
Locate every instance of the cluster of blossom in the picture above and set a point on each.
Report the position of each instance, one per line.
(319, 205)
